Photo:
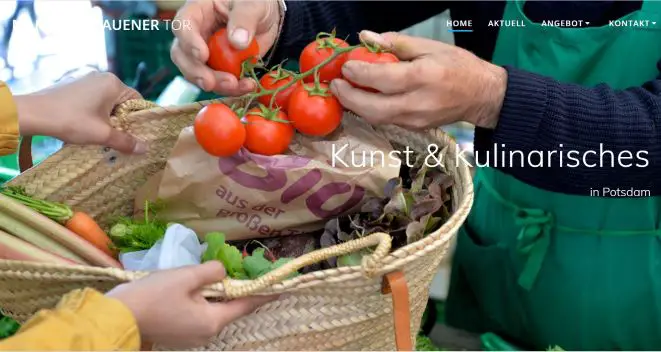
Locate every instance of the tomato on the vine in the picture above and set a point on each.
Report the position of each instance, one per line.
(371, 56)
(318, 51)
(224, 57)
(267, 132)
(218, 130)
(273, 80)
(314, 111)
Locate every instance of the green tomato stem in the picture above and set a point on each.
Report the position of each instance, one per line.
(300, 76)
(316, 88)
(272, 101)
(373, 48)
(267, 114)
(278, 73)
(321, 35)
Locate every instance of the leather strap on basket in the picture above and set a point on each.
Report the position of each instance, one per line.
(25, 154)
(394, 283)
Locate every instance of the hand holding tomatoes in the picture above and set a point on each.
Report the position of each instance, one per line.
(244, 21)
(302, 102)
(439, 84)
(370, 54)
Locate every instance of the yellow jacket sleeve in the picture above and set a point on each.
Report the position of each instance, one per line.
(8, 121)
(83, 320)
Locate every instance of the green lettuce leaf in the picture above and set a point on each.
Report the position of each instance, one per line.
(256, 264)
(227, 254)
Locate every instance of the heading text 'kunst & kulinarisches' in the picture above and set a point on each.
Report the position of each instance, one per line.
(500, 156)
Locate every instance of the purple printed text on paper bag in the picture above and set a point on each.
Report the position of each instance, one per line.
(276, 178)
(316, 200)
(301, 186)
(276, 169)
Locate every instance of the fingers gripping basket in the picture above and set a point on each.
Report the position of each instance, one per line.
(338, 309)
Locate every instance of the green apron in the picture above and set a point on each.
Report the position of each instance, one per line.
(542, 268)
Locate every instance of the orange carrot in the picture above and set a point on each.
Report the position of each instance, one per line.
(42, 221)
(79, 223)
(84, 226)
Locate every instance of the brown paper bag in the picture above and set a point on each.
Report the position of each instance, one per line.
(251, 196)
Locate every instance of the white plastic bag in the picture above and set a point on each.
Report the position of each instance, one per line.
(179, 247)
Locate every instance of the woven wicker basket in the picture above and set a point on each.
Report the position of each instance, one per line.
(336, 309)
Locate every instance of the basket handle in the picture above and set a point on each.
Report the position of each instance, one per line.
(393, 283)
(369, 265)
(120, 111)
(123, 109)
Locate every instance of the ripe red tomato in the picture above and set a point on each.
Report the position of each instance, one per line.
(314, 115)
(219, 131)
(316, 52)
(364, 54)
(267, 137)
(273, 80)
(223, 56)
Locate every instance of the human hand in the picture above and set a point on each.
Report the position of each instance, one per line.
(435, 84)
(78, 112)
(244, 19)
(170, 310)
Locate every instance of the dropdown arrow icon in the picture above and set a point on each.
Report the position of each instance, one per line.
(586, 22)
